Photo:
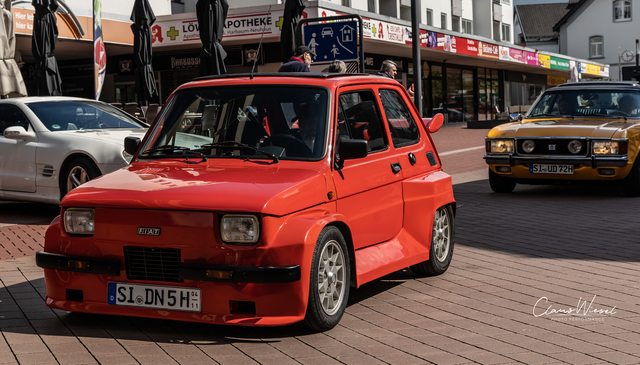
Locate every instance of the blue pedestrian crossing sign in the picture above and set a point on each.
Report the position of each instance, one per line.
(332, 41)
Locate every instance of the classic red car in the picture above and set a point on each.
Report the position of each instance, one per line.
(257, 200)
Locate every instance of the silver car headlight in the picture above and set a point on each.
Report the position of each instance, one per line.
(239, 228)
(79, 221)
(609, 147)
(500, 146)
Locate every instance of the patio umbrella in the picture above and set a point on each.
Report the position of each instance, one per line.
(43, 47)
(11, 81)
(291, 17)
(211, 17)
(143, 17)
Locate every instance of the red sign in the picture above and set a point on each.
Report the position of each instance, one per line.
(488, 50)
(466, 46)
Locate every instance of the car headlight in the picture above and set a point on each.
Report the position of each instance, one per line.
(127, 156)
(575, 146)
(609, 147)
(500, 146)
(239, 228)
(79, 221)
(528, 146)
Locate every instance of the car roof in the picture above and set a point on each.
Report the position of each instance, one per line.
(330, 80)
(38, 99)
(601, 85)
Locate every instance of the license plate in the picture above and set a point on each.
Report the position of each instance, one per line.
(551, 169)
(154, 296)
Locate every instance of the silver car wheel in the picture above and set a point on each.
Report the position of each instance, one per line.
(331, 277)
(77, 176)
(441, 234)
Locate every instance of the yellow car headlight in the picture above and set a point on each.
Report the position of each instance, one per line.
(609, 147)
(500, 146)
(240, 228)
(79, 221)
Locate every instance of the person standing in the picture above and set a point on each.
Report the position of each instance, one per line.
(388, 69)
(300, 61)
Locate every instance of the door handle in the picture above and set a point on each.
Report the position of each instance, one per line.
(412, 158)
(395, 167)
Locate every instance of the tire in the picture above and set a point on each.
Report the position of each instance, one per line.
(500, 184)
(631, 183)
(77, 173)
(442, 240)
(330, 270)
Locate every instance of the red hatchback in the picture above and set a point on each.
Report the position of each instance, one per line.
(257, 200)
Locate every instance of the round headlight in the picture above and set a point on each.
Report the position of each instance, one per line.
(575, 146)
(528, 146)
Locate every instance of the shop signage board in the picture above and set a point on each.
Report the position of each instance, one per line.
(531, 58)
(558, 63)
(488, 50)
(545, 60)
(516, 55)
(332, 41)
(504, 53)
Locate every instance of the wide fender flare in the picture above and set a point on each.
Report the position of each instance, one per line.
(52, 238)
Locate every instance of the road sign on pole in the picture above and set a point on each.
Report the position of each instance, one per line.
(332, 41)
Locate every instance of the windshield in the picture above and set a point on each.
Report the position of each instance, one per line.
(587, 103)
(277, 122)
(76, 115)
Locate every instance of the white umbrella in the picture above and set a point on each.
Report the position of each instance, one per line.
(11, 82)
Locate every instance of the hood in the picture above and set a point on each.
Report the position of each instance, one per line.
(590, 127)
(241, 186)
(112, 136)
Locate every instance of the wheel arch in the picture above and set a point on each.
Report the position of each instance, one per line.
(348, 237)
(67, 162)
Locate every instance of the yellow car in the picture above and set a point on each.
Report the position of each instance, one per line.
(588, 131)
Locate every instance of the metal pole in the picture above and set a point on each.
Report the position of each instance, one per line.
(619, 67)
(637, 64)
(417, 63)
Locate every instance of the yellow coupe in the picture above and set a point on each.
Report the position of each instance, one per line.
(588, 131)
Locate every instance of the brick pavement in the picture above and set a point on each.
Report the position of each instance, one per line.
(565, 244)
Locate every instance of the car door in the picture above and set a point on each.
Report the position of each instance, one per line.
(369, 190)
(17, 156)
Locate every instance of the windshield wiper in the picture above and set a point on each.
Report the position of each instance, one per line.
(552, 115)
(171, 148)
(238, 145)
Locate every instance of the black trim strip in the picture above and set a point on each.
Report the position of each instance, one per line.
(55, 261)
(242, 274)
(592, 161)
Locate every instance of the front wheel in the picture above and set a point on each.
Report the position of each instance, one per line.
(77, 173)
(500, 184)
(441, 244)
(330, 281)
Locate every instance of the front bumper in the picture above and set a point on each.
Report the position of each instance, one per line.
(591, 161)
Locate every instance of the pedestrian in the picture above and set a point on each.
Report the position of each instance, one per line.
(300, 61)
(388, 69)
(338, 66)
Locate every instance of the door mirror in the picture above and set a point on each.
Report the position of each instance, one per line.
(516, 117)
(350, 149)
(18, 132)
(131, 145)
(434, 124)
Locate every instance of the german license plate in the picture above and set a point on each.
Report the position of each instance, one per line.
(551, 169)
(154, 296)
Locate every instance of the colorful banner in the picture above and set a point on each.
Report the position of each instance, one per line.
(99, 53)
(555, 80)
(504, 53)
(545, 60)
(557, 63)
(516, 55)
(488, 50)
(592, 69)
(466, 46)
(530, 58)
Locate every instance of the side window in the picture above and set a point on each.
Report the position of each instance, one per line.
(361, 118)
(404, 130)
(11, 116)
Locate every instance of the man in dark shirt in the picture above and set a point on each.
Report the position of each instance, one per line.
(388, 69)
(300, 62)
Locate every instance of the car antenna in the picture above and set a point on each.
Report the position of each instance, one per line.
(259, 45)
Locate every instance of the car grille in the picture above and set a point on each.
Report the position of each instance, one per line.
(552, 147)
(149, 263)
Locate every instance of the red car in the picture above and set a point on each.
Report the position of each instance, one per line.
(257, 200)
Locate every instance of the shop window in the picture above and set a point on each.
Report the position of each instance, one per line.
(371, 6)
(621, 10)
(496, 31)
(346, 3)
(404, 131)
(596, 46)
(506, 32)
(467, 26)
(455, 23)
(429, 17)
(443, 20)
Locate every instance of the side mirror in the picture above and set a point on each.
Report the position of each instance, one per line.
(131, 145)
(516, 117)
(434, 124)
(18, 132)
(350, 149)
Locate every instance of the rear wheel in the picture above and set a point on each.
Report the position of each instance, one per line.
(631, 183)
(501, 184)
(77, 173)
(330, 281)
(441, 244)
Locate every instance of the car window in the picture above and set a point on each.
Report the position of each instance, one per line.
(288, 122)
(587, 103)
(11, 116)
(78, 115)
(359, 118)
(404, 131)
